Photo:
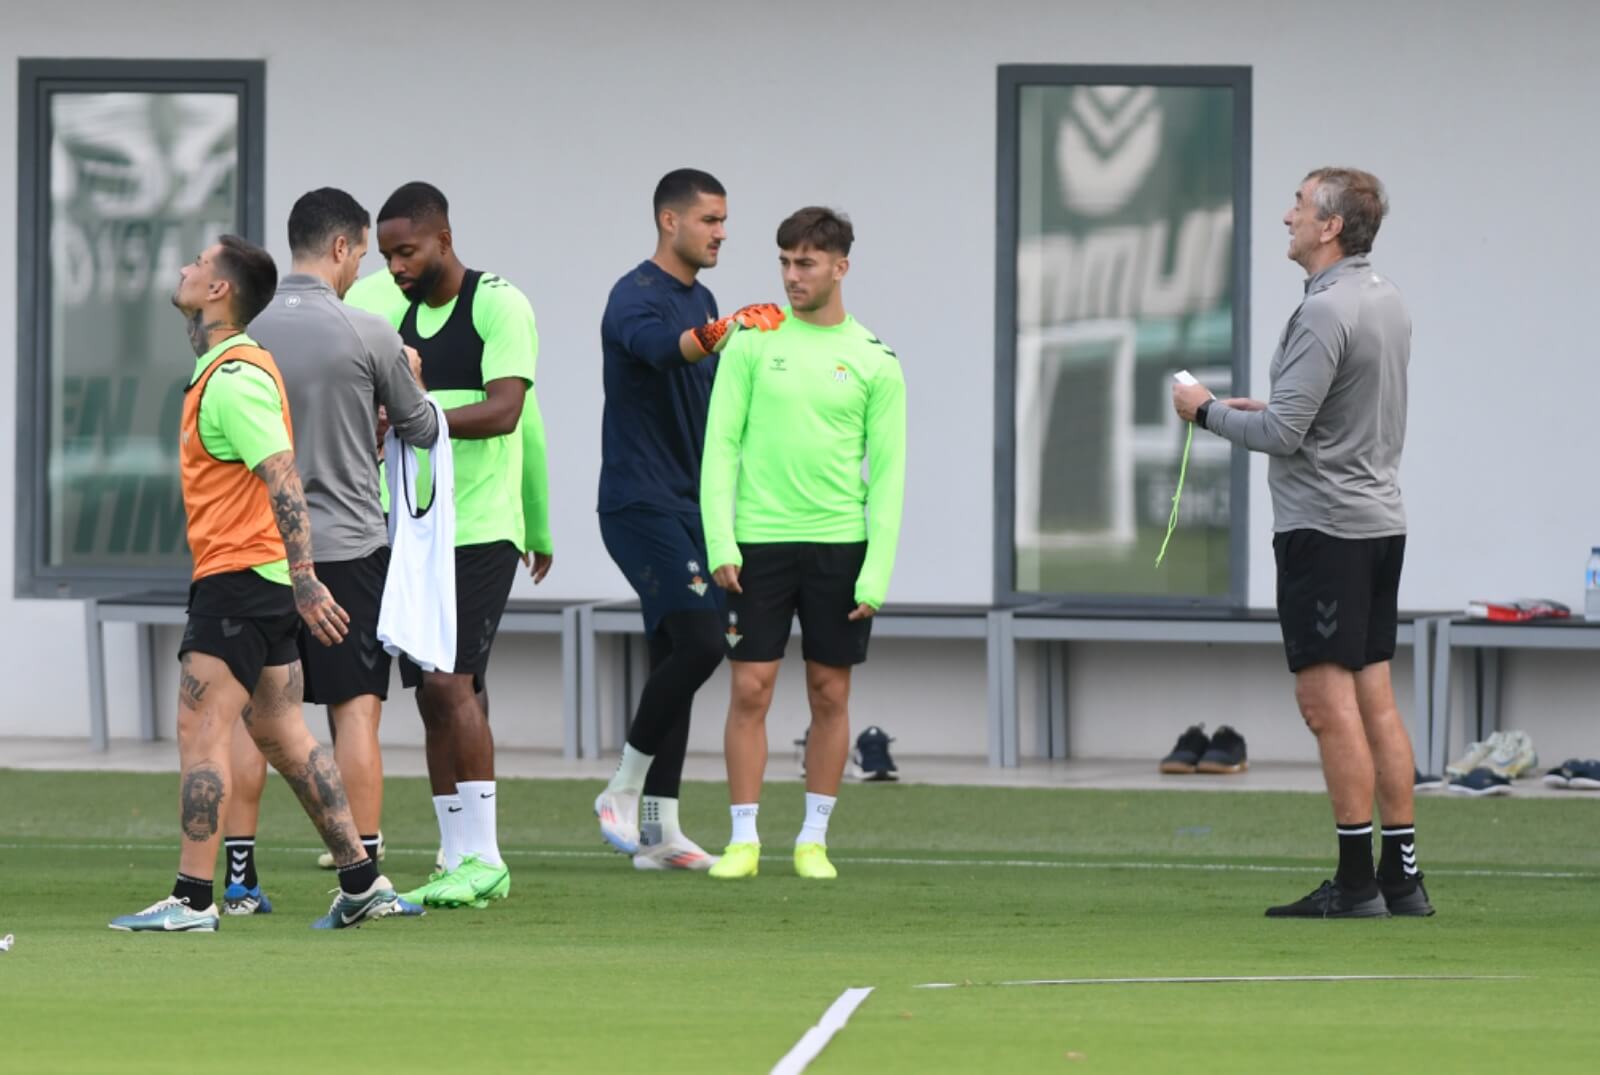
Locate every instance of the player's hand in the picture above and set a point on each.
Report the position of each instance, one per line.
(713, 336)
(863, 611)
(383, 427)
(327, 622)
(414, 360)
(1242, 404)
(1186, 399)
(727, 576)
(538, 564)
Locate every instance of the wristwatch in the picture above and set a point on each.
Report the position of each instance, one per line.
(1202, 413)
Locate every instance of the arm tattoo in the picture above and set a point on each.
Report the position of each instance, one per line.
(289, 511)
(190, 690)
(317, 785)
(201, 799)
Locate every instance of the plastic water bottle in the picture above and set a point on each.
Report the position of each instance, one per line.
(1591, 586)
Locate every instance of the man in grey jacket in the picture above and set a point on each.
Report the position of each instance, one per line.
(1334, 427)
(339, 365)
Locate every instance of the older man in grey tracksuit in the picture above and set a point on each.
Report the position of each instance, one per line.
(1334, 427)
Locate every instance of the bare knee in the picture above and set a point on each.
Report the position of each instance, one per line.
(753, 686)
(828, 691)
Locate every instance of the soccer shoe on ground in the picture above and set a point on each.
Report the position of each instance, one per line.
(1421, 781)
(1330, 900)
(378, 901)
(871, 758)
(472, 884)
(737, 861)
(618, 812)
(1408, 899)
(1226, 754)
(1476, 754)
(1480, 782)
(325, 860)
(171, 915)
(674, 852)
(1192, 744)
(811, 862)
(1514, 756)
(427, 894)
(240, 900)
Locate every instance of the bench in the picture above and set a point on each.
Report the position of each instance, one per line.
(1488, 641)
(1055, 627)
(627, 675)
(149, 611)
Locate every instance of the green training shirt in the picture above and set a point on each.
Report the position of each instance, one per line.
(795, 412)
(502, 483)
(241, 421)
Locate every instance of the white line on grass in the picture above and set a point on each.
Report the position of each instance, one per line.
(1243, 978)
(865, 860)
(812, 1042)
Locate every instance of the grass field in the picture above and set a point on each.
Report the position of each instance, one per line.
(593, 967)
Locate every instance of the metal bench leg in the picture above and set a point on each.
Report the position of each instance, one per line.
(99, 720)
(1000, 665)
(572, 687)
(589, 723)
(1421, 668)
(1439, 732)
(144, 639)
(1489, 693)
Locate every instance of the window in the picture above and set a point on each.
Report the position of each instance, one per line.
(127, 170)
(1123, 235)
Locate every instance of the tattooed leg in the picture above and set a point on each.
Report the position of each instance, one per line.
(209, 702)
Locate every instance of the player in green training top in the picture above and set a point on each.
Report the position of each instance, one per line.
(792, 526)
(476, 335)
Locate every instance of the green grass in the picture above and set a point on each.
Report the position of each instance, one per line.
(592, 967)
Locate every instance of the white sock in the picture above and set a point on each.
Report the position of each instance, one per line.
(448, 809)
(631, 770)
(818, 809)
(744, 823)
(478, 836)
(658, 820)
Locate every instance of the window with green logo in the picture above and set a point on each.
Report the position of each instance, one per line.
(128, 170)
(1123, 211)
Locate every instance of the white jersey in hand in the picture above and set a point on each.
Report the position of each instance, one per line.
(418, 615)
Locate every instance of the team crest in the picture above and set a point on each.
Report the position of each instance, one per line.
(698, 585)
(733, 636)
(841, 374)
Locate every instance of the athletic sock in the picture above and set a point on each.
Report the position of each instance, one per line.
(197, 890)
(241, 860)
(815, 828)
(631, 770)
(371, 844)
(1355, 857)
(1399, 861)
(658, 820)
(448, 810)
(744, 823)
(478, 835)
(357, 877)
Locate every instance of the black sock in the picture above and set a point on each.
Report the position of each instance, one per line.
(371, 844)
(1399, 861)
(685, 649)
(357, 877)
(194, 889)
(241, 859)
(1355, 857)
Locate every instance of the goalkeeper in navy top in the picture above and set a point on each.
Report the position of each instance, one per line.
(1334, 427)
(660, 336)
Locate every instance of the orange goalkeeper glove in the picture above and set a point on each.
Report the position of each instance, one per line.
(713, 336)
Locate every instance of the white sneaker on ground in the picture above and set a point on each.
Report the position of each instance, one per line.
(1476, 754)
(675, 852)
(1514, 755)
(618, 812)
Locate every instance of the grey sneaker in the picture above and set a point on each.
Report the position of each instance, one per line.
(348, 910)
(171, 915)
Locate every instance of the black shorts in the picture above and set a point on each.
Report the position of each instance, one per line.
(1338, 598)
(245, 621)
(359, 665)
(663, 557)
(484, 574)
(815, 579)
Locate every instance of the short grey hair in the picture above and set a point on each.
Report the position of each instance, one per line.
(1355, 197)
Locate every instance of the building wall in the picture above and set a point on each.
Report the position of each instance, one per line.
(547, 126)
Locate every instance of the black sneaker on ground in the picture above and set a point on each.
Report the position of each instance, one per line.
(1192, 744)
(1481, 781)
(873, 762)
(1332, 901)
(1561, 775)
(1225, 755)
(1408, 899)
(1422, 781)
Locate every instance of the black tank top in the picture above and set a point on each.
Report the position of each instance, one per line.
(453, 356)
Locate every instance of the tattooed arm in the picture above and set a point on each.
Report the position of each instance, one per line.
(326, 620)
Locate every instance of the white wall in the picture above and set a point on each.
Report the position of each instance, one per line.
(547, 127)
